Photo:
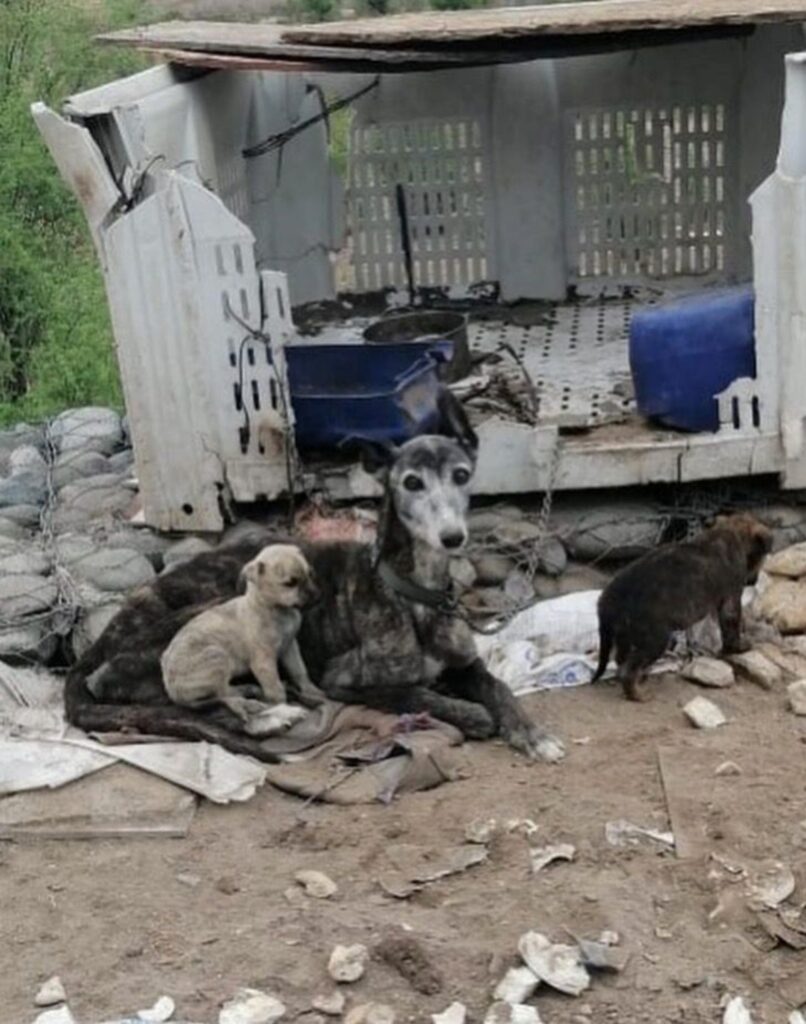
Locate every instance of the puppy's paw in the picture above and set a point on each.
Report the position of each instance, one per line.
(311, 696)
(535, 744)
(289, 714)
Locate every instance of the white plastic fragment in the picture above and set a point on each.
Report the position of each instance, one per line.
(736, 1012)
(317, 884)
(510, 1013)
(481, 830)
(771, 885)
(60, 1016)
(796, 1017)
(544, 855)
(727, 768)
(348, 963)
(703, 713)
(624, 833)
(161, 1011)
(251, 1006)
(797, 696)
(455, 1014)
(557, 965)
(517, 985)
(51, 992)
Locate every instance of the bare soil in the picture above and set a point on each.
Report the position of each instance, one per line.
(115, 922)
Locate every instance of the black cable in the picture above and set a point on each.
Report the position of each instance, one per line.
(280, 139)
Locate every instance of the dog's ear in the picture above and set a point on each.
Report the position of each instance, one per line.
(376, 456)
(454, 422)
(250, 573)
(760, 546)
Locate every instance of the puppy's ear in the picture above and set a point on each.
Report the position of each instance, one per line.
(455, 424)
(250, 573)
(376, 456)
(760, 546)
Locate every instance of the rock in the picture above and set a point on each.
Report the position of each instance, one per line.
(518, 588)
(122, 462)
(160, 1012)
(27, 457)
(481, 830)
(602, 956)
(94, 428)
(348, 963)
(736, 1012)
(371, 1013)
(51, 992)
(183, 550)
(31, 560)
(557, 965)
(553, 557)
(612, 531)
(251, 1006)
(509, 1013)
(316, 884)
(60, 1016)
(788, 524)
(771, 884)
(796, 692)
(27, 516)
(227, 885)
(727, 768)
(113, 569)
(757, 667)
(462, 572)
(26, 642)
(492, 570)
(704, 713)
(76, 465)
(783, 604)
(331, 1005)
(10, 530)
(27, 487)
(455, 1014)
(709, 672)
(91, 498)
(517, 985)
(188, 879)
(145, 542)
(790, 562)
(25, 594)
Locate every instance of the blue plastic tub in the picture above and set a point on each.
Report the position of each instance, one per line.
(379, 392)
(684, 352)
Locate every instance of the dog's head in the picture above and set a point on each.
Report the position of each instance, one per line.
(281, 576)
(428, 478)
(754, 536)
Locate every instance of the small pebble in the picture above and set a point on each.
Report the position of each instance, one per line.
(797, 696)
(703, 713)
(331, 1005)
(190, 880)
(348, 963)
(227, 885)
(728, 768)
(52, 992)
(161, 1011)
(316, 884)
(371, 1013)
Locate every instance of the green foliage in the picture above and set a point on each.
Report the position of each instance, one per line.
(55, 338)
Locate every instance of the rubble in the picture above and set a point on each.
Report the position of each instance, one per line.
(796, 692)
(703, 713)
(709, 672)
(758, 668)
(455, 1014)
(510, 1013)
(251, 1006)
(555, 964)
(348, 963)
(543, 855)
(51, 992)
(517, 985)
(331, 1005)
(316, 884)
(370, 1013)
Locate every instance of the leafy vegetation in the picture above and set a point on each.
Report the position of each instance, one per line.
(55, 338)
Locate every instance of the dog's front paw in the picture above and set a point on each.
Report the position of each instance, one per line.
(535, 744)
(311, 696)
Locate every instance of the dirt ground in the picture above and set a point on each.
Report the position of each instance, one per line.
(114, 921)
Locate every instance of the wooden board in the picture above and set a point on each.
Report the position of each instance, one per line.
(556, 20)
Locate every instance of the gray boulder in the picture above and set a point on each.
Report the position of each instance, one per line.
(10, 530)
(113, 569)
(27, 457)
(24, 594)
(92, 427)
(29, 560)
(26, 516)
(26, 487)
(77, 464)
(184, 550)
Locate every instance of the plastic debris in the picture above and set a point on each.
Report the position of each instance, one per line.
(703, 713)
(331, 1005)
(251, 1006)
(161, 1011)
(736, 1012)
(796, 692)
(727, 768)
(481, 830)
(624, 833)
(770, 885)
(544, 855)
(60, 1016)
(557, 965)
(51, 992)
(525, 826)
(317, 884)
(517, 985)
(602, 956)
(414, 866)
(348, 963)
(510, 1013)
(455, 1014)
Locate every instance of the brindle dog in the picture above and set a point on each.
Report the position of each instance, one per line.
(383, 633)
(674, 587)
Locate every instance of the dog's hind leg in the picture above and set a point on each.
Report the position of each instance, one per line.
(476, 684)
(730, 625)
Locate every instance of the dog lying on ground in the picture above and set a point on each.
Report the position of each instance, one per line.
(249, 633)
(674, 587)
(386, 632)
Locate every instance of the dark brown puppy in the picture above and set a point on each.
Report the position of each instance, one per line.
(672, 588)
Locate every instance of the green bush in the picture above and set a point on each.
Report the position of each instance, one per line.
(55, 338)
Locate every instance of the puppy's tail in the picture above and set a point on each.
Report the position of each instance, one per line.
(605, 646)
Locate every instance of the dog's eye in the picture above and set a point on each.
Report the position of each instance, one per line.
(413, 483)
(461, 476)
(291, 583)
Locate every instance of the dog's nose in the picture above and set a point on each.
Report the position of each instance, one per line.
(451, 541)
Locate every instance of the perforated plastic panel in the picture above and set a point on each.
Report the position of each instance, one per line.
(442, 167)
(649, 192)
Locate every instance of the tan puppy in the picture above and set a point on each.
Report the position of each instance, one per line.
(248, 634)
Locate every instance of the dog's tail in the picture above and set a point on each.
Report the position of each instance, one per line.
(166, 720)
(605, 645)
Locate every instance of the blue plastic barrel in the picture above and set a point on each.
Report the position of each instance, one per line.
(378, 392)
(684, 352)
